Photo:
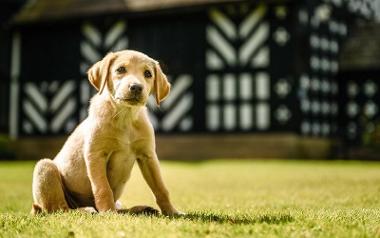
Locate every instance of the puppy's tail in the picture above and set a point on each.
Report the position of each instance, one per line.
(36, 209)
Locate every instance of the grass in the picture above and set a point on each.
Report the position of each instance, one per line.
(222, 199)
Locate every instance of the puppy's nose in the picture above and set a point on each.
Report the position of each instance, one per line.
(136, 88)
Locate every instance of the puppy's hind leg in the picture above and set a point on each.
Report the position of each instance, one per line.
(48, 193)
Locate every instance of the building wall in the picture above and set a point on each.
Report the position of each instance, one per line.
(234, 68)
(359, 100)
(7, 9)
(219, 60)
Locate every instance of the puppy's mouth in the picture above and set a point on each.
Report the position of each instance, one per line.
(130, 100)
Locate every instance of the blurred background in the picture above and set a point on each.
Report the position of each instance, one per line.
(250, 79)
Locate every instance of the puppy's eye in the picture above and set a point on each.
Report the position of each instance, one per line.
(121, 70)
(147, 74)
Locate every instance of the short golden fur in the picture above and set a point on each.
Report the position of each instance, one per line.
(94, 164)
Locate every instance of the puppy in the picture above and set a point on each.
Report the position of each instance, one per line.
(94, 164)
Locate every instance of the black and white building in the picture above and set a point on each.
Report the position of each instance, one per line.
(235, 66)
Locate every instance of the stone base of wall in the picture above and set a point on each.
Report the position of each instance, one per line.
(203, 146)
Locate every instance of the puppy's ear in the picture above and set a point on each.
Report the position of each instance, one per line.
(99, 73)
(161, 85)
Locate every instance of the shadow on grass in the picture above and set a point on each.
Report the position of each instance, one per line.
(208, 217)
(240, 219)
(204, 217)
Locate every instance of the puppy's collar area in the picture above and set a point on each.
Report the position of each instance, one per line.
(122, 116)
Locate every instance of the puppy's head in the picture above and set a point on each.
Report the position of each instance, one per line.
(129, 77)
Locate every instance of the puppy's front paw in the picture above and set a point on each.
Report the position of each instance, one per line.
(91, 210)
(143, 210)
(180, 214)
(173, 213)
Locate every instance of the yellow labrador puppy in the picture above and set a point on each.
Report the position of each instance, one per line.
(94, 164)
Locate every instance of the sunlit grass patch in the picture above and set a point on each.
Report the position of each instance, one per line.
(229, 198)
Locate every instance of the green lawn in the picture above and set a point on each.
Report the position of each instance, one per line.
(222, 199)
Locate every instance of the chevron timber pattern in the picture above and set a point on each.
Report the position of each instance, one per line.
(241, 44)
(174, 114)
(237, 59)
(49, 108)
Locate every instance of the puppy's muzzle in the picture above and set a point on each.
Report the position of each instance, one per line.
(134, 94)
(136, 89)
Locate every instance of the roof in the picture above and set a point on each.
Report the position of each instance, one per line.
(45, 10)
(362, 49)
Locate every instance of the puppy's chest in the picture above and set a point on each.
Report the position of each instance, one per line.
(117, 139)
(120, 160)
(124, 144)
(123, 150)
(119, 169)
